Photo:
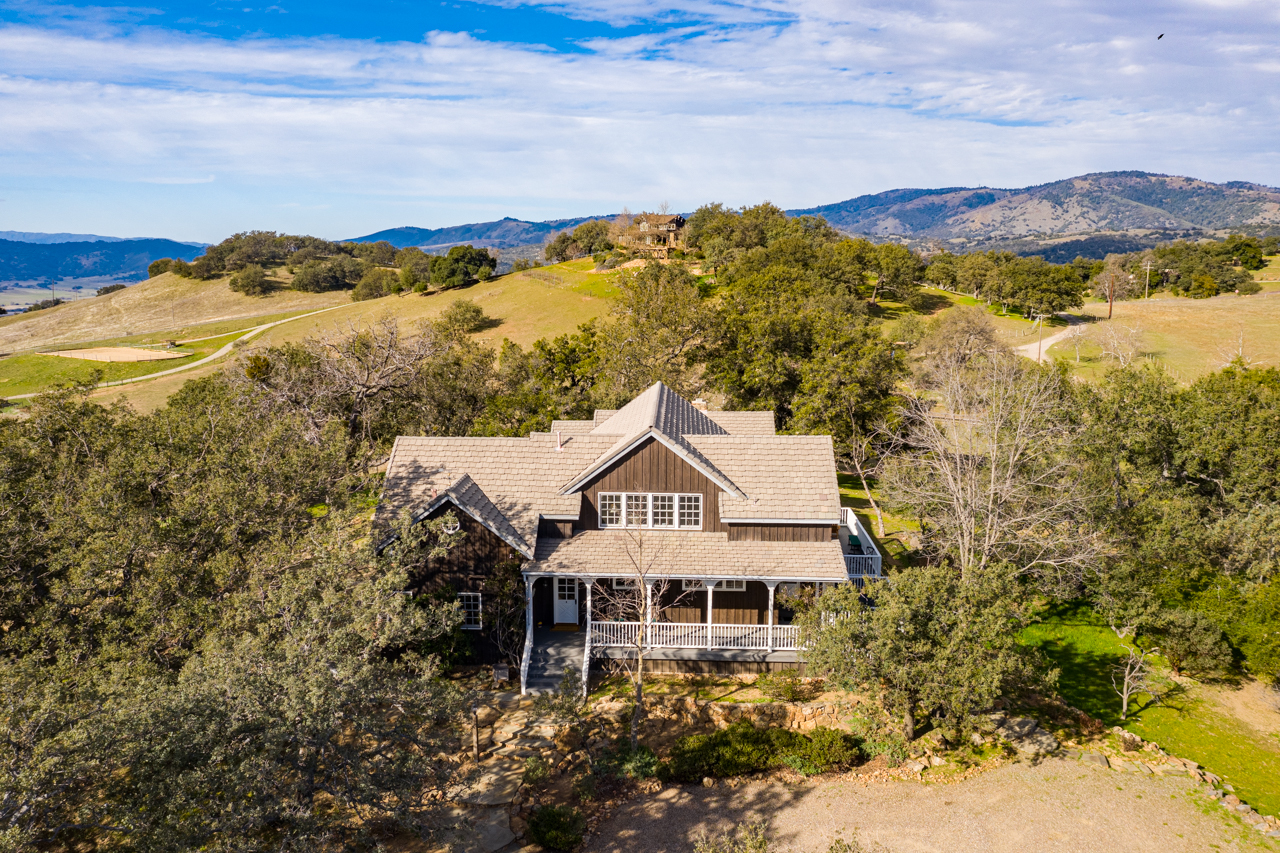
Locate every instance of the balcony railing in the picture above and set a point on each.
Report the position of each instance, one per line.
(694, 635)
(854, 537)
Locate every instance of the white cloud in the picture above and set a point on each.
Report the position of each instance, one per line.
(804, 103)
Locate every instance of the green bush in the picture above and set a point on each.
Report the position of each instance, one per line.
(782, 686)
(557, 827)
(159, 267)
(621, 761)
(742, 748)
(251, 280)
(536, 772)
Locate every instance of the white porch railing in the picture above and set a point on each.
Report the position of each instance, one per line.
(693, 635)
(859, 566)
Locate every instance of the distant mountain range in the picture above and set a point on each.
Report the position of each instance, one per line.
(504, 233)
(1106, 201)
(1090, 215)
(125, 259)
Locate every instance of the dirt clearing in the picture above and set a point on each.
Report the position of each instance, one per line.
(1058, 805)
(118, 354)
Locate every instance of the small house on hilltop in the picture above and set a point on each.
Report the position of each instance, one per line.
(655, 234)
(701, 515)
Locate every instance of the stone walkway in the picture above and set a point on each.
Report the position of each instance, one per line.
(487, 807)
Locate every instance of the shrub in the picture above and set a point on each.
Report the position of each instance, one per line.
(1190, 640)
(742, 748)
(622, 761)
(784, 685)
(375, 283)
(557, 827)
(111, 288)
(251, 280)
(181, 268)
(536, 772)
(43, 304)
(750, 838)
(159, 267)
(463, 315)
(876, 738)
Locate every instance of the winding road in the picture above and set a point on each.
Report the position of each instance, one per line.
(1042, 347)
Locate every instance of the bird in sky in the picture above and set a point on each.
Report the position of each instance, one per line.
(1159, 37)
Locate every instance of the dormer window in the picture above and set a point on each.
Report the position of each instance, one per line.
(648, 510)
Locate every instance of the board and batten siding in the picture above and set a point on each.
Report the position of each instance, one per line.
(651, 467)
(469, 562)
(781, 532)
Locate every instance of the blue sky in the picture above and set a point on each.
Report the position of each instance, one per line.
(196, 119)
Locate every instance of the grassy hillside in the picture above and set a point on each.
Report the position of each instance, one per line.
(541, 303)
(1190, 337)
(179, 308)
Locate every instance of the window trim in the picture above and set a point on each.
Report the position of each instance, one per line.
(625, 583)
(738, 585)
(463, 597)
(648, 510)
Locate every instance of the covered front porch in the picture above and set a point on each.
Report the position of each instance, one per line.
(724, 619)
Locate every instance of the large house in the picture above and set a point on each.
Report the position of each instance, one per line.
(712, 509)
(654, 234)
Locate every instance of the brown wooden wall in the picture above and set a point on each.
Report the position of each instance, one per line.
(652, 468)
(781, 532)
(555, 529)
(750, 607)
(469, 562)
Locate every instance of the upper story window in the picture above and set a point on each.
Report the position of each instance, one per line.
(650, 510)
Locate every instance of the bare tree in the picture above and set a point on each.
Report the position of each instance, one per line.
(664, 208)
(1133, 676)
(1233, 351)
(1076, 336)
(990, 465)
(1118, 341)
(643, 597)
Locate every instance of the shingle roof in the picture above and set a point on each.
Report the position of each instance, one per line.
(783, 477)
(603, 553)
(745, 423)
(662, 414)
(521, 477)
(509, 483)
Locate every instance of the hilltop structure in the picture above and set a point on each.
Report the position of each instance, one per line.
(707, 512)
(654, 234)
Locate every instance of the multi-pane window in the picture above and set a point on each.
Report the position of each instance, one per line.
(469, 603)
(643, 509)
(691, 511)
(637, 510)
(664, 511)
(610, 510)
(721, 586)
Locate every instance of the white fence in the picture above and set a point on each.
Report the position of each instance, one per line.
(694, 635)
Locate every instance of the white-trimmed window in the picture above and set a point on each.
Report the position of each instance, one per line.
(721, 586)
(649, 510)
(691, 512)
(610, 510)
(664, 511)
(472, 616)
(625, 583)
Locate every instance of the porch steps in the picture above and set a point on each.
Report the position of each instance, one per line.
(553, 653)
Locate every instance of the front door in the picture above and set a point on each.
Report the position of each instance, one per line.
(566, 601)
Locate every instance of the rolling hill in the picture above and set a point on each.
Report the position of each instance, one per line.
(1106, 201)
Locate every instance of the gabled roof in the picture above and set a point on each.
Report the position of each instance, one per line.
(467, 496)
(663, 415)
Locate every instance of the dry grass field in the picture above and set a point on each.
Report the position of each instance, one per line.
(1190, 337)
(165, 304)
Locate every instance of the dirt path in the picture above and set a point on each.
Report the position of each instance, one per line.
(1042, 347)
(1055, 806)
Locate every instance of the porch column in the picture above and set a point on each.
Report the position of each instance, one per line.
(769, 631)
(648, 612)
(586, 651)
(711, 586)
(528, 633)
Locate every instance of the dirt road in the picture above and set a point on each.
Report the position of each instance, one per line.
(1055, 807)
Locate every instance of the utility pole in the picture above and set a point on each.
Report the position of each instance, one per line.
(1146, 291)
(1040, 340)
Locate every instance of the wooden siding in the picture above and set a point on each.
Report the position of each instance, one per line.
(781, 532)
(749, 607)
(651, 467)
(469, 562)
(554, 529)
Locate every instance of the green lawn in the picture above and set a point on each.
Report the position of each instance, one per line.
(1186, 724)
(892, 544)
(33, 372)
